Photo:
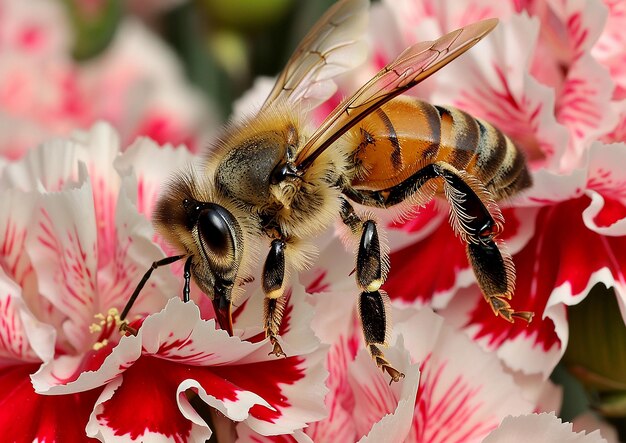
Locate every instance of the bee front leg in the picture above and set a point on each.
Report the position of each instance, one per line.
(273, 280)
(372, 264)
(155, 265)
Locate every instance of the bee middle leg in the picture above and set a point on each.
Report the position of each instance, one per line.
(476, 219)
(372, 264)
(273, 282)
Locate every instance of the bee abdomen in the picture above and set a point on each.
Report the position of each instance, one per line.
(476, 146)
(407, 134)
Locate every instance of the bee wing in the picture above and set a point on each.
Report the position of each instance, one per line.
(408, 69)
(334, 45)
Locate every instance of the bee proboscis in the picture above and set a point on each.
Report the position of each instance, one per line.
(268, 183)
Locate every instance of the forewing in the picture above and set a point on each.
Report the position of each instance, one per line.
(333, 46)
(411, 67)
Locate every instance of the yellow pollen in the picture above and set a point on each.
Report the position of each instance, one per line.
(100, 344)
(105, 325)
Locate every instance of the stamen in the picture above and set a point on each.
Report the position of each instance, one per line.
(105, 326)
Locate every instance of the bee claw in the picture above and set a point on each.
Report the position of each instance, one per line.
(277, 350)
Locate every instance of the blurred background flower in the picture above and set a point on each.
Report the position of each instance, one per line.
(552, 76)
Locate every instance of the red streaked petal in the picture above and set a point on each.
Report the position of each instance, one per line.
(16, 210)
(22, 337)
(455, 401)
(605, 215)
(144, 402)
(381, 409)
(552, 271)
(430, 270)
(581, 106)
(237, 377)
(64, 256)
(133, 252)
(149, 163)
(27, 416)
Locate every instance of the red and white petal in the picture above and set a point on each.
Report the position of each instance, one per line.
(133, 252)
(539, 428)
(582, 105)
(152, 165)
(62, 244)
(475, 398)
(610, 49)
(16, 211)
(151, 418)
(175, 346)
(576, 26)
(607, 189)
(383, 412)
(23, 338)
(28, 416)
(429, 271)
(247, 435)
(46, 168)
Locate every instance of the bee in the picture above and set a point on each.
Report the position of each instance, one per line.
(269, 183)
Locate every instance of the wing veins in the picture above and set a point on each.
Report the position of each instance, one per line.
(411, 67)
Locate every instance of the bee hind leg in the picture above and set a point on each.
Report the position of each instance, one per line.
(372, 264)
(477, 220)
(273, 280)
(474, 216)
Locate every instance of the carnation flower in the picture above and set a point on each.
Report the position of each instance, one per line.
(136, 84)
(72, 254)
(556, 116)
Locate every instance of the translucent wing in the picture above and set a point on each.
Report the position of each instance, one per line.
(334, 45)
(408, 69)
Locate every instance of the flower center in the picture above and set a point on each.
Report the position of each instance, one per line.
(105, 325)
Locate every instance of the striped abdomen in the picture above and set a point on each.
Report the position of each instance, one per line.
(406, 134)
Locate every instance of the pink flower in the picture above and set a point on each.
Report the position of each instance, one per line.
(537, 79)
(136, 84)
(75, 244)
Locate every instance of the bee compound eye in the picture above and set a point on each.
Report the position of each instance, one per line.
(217, 229)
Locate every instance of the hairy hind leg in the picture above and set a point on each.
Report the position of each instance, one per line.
(474, 216)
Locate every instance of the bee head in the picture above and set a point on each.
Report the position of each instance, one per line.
(206, 230)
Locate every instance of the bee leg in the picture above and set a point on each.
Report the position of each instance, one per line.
(372, 264)
(273, 280)
(474, 216)
(131, 301)
(477, 219)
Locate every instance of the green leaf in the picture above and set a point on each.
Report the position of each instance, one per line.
(94, 25)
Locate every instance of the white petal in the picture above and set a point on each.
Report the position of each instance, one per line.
(23, 338)
(153, 166)
(63, 248)
(393, 405)
(475, 397)
(539, 428)
(589, 421)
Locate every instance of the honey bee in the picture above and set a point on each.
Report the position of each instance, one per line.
(270, 183)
